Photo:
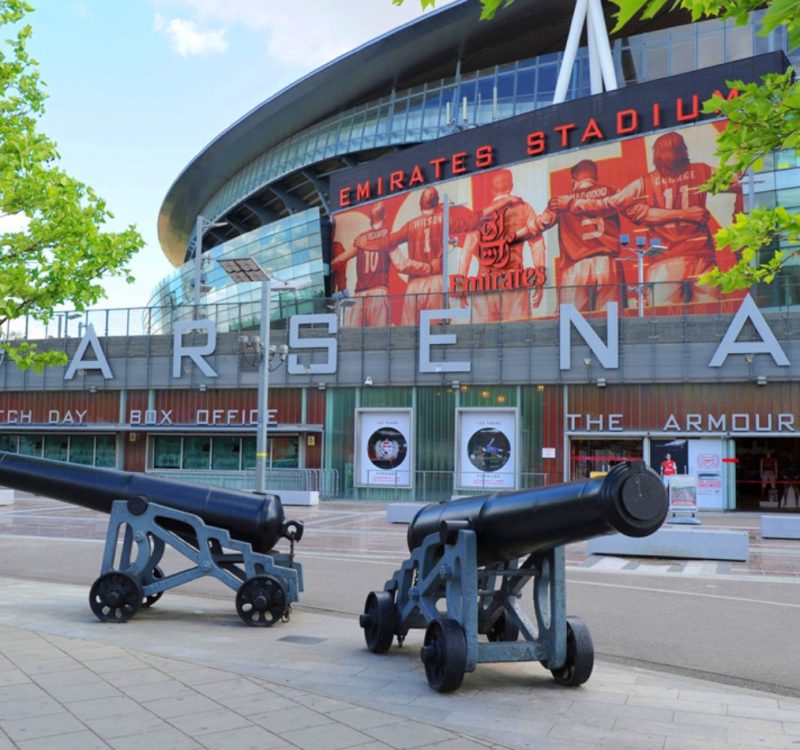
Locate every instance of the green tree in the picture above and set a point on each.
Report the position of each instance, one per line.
(53, 249)
(765, 117)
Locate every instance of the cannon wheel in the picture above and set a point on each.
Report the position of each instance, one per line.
(580, 655)
(379, 621)
(444, 654)
(150, 600)
(115, 597)
(261, 601)
(503, 629)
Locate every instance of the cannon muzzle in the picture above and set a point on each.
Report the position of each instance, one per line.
(255, 519)
(630, 499)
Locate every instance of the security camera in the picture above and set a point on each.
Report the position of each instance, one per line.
(368, 380)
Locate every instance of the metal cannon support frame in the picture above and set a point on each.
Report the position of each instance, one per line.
(265, 584)
(479, 601)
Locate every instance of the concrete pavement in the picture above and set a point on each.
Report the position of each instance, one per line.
(188, 674)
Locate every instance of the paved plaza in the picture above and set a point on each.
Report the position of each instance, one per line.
(188, 674)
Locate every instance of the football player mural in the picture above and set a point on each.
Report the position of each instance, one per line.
(551, 222)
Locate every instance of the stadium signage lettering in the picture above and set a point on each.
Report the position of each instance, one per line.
(562, 135)
(633, 110)
(689, 422)
(323, 350)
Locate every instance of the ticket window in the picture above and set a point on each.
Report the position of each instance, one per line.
(283, 452)
(598, 456)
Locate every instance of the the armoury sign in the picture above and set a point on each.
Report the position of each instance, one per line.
(494, 214)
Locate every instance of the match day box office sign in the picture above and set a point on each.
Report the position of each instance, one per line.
(486, 449)
(384, 448)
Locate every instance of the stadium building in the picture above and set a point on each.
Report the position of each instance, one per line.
(484, 242)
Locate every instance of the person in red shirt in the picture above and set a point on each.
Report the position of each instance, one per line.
(591, 275)
(668, 468)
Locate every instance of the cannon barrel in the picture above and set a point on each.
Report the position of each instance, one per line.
(256, 519)
(630, 499)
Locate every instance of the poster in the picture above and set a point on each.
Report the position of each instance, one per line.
(573, 211)
(682, 490)
(705, 462)
(486, 444)
(384, 451)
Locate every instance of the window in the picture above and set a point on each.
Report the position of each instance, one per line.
(105, 451)
(31, 445)
(225, 453)
(196, 453)
(81, 450)
(167, 452)
(8, 443)
(56, 447)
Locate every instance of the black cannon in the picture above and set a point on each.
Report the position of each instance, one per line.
(478, 553)
(226, 534)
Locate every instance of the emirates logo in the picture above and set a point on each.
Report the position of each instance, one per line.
(493, 248)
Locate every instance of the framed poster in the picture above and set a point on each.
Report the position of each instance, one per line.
(384, 451)
(486, 448)
(682, 490)
(705, 461)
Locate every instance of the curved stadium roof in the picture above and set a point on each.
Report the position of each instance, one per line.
(424, 50)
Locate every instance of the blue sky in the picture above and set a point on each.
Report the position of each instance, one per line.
(138, 87)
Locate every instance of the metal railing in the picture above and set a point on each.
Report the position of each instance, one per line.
(666, 299)
(324, 481)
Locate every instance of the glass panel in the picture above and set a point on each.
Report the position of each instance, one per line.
(81, 450)
(284, 451)
(682, 56)
(196, 452)
(31, 445)
(225, 453)
(248, 453)
(739, 42)
(8, 443)
(167, 452)
(710, 49)
(56, 447)
(105, 451)
(656, 62)
(587, 456)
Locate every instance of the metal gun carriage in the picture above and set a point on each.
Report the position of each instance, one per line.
(475, 555)
(226, 534)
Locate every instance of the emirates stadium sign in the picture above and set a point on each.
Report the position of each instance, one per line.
(542, 199)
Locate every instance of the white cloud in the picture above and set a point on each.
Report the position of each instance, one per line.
(306, 33)
(188, 39)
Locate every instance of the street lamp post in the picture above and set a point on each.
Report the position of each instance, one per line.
(247, 270)
(201, 224)
(641, 251)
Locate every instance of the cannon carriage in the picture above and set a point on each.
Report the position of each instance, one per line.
(225, 534)
(470, 560)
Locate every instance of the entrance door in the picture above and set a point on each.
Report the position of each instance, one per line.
(587, 456)
(768, 474)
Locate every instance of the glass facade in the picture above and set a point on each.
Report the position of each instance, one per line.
(90, 450)
(290, 248)
(436, 108)
(221, 452)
